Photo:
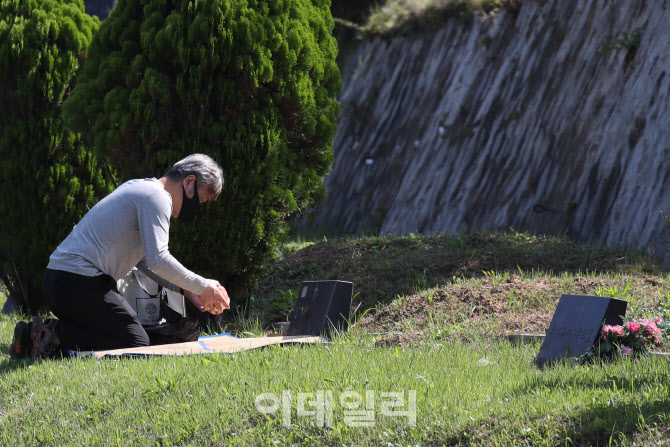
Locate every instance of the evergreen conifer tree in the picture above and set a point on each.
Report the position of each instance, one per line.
(47, 176)
(252, 83)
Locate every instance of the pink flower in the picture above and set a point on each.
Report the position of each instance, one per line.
(652, 328)
(643, 321)
(658, 320)
(632, 327)
(606, 330)
(625, 350)
(649, 326)
(617, 330)
(657, 341)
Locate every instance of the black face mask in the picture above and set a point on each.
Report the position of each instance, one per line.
(189, 207)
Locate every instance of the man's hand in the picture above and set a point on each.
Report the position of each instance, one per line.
(213, 300)
(195, 299)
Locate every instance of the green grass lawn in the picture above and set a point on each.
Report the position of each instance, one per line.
(480, 393)
(456, 379)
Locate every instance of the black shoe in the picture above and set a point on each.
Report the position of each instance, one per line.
(45, 340)
(22, 344)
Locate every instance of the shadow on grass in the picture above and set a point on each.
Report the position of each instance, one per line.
(640, 417)
(604, 423)
(642, 413)
(8, 365)
(598, 425)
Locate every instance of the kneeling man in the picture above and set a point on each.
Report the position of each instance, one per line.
(128, 228)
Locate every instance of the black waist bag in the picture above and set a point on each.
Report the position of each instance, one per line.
(172, 327)
(163, 323)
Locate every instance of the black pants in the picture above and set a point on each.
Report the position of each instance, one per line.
(92, 314)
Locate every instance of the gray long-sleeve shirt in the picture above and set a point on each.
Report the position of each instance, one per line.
(129, 225)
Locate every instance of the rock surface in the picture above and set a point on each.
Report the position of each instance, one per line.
(549, 119)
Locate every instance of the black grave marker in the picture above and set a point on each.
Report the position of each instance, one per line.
(322, 306)
(576, 324)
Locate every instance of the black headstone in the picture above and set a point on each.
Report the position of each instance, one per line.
(322, 306)
(576, 324)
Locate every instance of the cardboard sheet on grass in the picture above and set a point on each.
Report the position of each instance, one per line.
(224, 343)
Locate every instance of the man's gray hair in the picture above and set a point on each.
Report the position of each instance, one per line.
(207, 172)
